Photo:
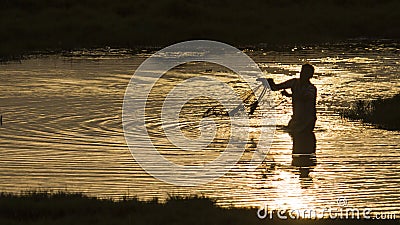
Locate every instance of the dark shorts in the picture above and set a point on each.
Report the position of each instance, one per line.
(304, 142)
(296, 126)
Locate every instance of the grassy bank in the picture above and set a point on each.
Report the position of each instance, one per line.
(36, 25)
(384, 113)
(64, 208)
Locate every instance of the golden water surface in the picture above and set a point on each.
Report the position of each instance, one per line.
(62, 130)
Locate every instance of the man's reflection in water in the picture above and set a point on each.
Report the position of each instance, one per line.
(303, 154)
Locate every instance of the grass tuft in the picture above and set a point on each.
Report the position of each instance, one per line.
(384, 113)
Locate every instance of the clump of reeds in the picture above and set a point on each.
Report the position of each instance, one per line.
(384, 113)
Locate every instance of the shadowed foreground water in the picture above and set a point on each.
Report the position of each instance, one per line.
(62, 130)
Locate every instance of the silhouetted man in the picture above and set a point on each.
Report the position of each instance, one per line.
(304, 95)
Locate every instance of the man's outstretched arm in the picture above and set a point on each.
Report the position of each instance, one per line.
(276, 87)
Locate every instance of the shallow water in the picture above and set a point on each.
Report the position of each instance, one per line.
(62, 130)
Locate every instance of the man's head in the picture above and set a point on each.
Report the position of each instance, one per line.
(307, 72)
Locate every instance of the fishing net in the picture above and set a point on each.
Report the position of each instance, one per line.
(251, 100)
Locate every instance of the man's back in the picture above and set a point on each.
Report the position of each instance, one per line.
(304, 106)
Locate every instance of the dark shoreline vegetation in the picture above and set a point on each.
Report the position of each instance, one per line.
(28, 26)
(383, 113)
(43, 207)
